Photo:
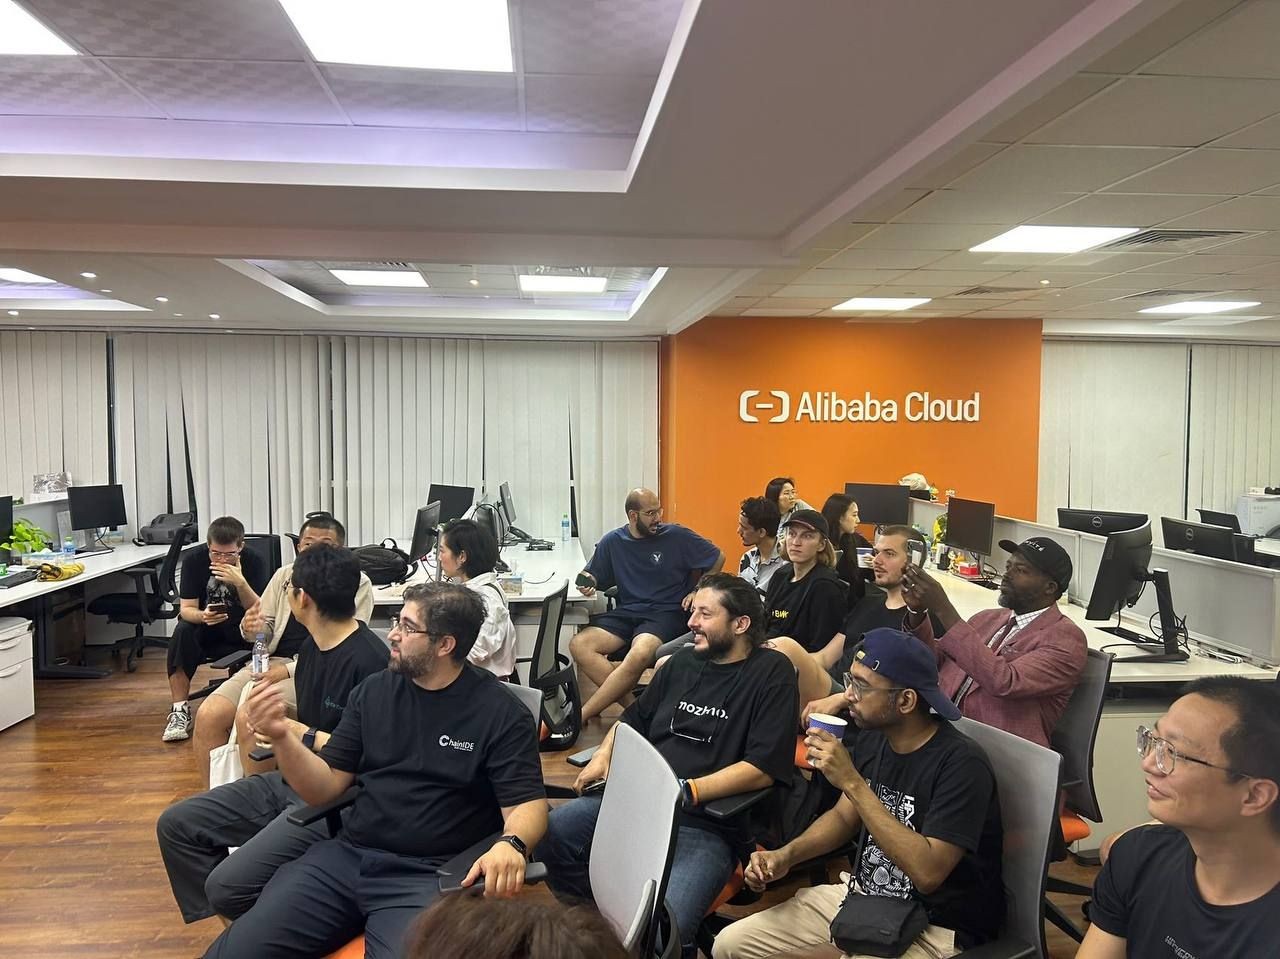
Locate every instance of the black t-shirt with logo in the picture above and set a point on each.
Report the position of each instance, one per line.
(198, 583)
(291, 639)
(435, 766)
(870, 613)
(944, 790)
(1147, 895)
(703, 716)
(809, 611)
(325, 677)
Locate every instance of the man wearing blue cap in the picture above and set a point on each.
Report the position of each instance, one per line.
(926, 797)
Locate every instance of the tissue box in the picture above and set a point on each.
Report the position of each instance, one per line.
(512, 583)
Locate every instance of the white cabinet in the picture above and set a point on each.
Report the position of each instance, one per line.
(17, 672)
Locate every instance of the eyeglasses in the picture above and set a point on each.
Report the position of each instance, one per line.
(399, 625)
(860, 689)
(223, 554)
(1167, 757)
(651, 512)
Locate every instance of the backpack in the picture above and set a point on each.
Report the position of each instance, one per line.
(384, 563)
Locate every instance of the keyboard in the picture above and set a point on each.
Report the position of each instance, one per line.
(17, 578)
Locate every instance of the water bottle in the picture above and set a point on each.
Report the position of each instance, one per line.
(261, 657)
(564, 528)
(68, 549)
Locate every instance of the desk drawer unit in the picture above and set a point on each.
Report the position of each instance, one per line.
(17, 675)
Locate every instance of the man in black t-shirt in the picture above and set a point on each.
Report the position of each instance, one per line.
(925, 796)
(336, 655)
(1205, 882)
(722, 714)
(219, 581)
(445, 756)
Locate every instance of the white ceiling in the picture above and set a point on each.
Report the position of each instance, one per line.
(776, 164)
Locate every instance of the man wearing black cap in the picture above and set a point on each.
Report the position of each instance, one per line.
(1012, 668)
(926, 796)
(805, 599)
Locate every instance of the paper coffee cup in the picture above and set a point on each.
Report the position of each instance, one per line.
(864, 557)
(832, 724)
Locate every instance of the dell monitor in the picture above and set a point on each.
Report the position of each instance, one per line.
(454, 500)
(881, 504)
(1198, 538)
(96, 507)
(1100, 521)
(1122, 574)
(425, 530)
(970, 525)
(1212, 517)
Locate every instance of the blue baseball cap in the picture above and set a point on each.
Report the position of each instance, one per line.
(905, 661)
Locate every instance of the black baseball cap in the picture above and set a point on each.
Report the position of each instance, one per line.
(810, 519)
(1045, 555)
(906, 661)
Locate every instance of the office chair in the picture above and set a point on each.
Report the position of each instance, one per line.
(553, 675)
(266, 546)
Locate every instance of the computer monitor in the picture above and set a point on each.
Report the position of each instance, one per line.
(1122, 574)
(96, 507)
(970, 525)
(1198, 538)
(1213, 517)
(424, 531)
(454, 500)
(1100, 521)
(881, 504)
(6, 518)
(508, 507)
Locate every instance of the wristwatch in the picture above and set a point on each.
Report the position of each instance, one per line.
(688, 793)
(309, 739)
(516, 843)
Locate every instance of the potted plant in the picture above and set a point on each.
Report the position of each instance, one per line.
(26, 537)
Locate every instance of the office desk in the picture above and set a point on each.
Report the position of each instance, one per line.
(102, 564)
(1271, 547)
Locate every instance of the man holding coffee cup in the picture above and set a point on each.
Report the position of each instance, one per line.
(924, 794)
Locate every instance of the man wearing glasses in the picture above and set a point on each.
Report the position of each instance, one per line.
(924, 794)
(722, 713)
(218, 583)
(1204, 881)
(654, 566)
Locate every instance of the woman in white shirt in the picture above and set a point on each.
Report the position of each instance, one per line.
(468, 554)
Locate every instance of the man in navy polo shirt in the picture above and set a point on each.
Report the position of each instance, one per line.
(654, 565)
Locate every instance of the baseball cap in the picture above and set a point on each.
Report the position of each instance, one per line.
(906, 661)
(810, 519)
(1045, 555)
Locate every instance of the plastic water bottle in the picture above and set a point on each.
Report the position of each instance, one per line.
(261, 656)
(564, 528)
(68, 549)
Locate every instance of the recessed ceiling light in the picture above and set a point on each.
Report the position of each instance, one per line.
(90, 276)
(104, 291)
(550, 283)
(473, 281)
(21, 33)
(177, 314)
(426, 34)
(879, 303)
(215, 316)
(13, 313)
(1202, 306)
(1052, 239)
(228, 331)
(1044, 282)
(381, 277)
(162, 299)
(14, 275)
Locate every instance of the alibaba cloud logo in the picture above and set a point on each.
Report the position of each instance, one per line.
(747, 402)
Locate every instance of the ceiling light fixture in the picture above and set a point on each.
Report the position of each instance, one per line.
(21, 33)
(1202, 306)
(90, 276)
(423, 34)
(14, 275)
(881, 303)
(473, 281)
(104, 291)
(215, 316)
(553, 283)
(177, 314)
(1044, 282)
(1052, 239)
(14, 313)
(381, 278)
(162, 299)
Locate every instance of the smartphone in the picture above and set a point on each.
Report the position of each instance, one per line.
(585, 581)
(217, 607)
(916, 554)
(594, 787)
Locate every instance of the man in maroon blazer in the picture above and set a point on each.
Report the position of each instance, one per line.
(1013, 668)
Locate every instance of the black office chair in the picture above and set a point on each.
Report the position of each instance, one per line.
(551, 672)
(141, 608)
(266, 546)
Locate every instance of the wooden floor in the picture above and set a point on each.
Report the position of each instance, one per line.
(81, 786)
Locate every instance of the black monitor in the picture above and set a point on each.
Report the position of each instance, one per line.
(1198, 538)
(1122, 574)
(6, 518)
(424, 531)
(454, 500)
(1213, 517)
(970, 525)
(1100, 521)
(97, 507)
(881, 504)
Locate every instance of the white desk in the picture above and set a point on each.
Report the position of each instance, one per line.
(1270, 547)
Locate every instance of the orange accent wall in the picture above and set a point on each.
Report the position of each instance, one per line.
(710, 460)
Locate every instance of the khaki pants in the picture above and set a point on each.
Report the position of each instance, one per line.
(233, 687)
(804, 921)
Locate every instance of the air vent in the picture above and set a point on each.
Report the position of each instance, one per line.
(1148, 239)
(1152, 294)
(365, 265)
(996, 290)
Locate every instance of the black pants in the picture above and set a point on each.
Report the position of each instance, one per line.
(192, 644)
(326, 898)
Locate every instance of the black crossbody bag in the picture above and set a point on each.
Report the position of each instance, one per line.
(881, 926)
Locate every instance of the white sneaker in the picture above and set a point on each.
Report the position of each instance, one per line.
(178, 727)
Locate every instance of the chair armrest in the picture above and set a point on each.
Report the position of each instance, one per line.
(232, 660)
(451, 874)
(559, 792)
(1006, 947)
(727, 807)
(311, 814)
(582, 757)
(137, 571)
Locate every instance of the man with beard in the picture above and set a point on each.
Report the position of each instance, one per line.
(722, 714)
(1012, 668)
(924, 794)
(653, 565)
(445, 756)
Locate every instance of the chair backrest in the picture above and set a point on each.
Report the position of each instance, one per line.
(169, 568)
(266, 546)
(530, 698)
(634, 839)
(1076, 731)
(1027, 782)
(548, 641)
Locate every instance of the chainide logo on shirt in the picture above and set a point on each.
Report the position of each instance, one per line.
(457, 744)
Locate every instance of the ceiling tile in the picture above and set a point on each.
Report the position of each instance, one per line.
(1075, 90)
(922, 236)
(777, 311)
(1058, 280)
(956, 278)
(1260, 136)
(1241, 44)
(933, 291)
(1240, 213)
(223, 90)
(1092, 261)
(382, 96)
(1165, 111)
(597, 36)
(828, 292)
(1264, 244)
(963, 206)
(1209, 170)
(66, 86)
(1211, 263)
(1032, 168)
(859, 259)
(839, 235)
(1123, 209)
(942, 174)
(785, 300)
(587, 104)
(836, 277)
(887, 209)
(1180, 22)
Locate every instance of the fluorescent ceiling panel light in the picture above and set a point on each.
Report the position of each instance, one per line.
(1202, 306)
(381, 277)
(426, 34)
(1052, 239)
(14, 275)
(550, 283)
(880, 303)
(21, 33)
